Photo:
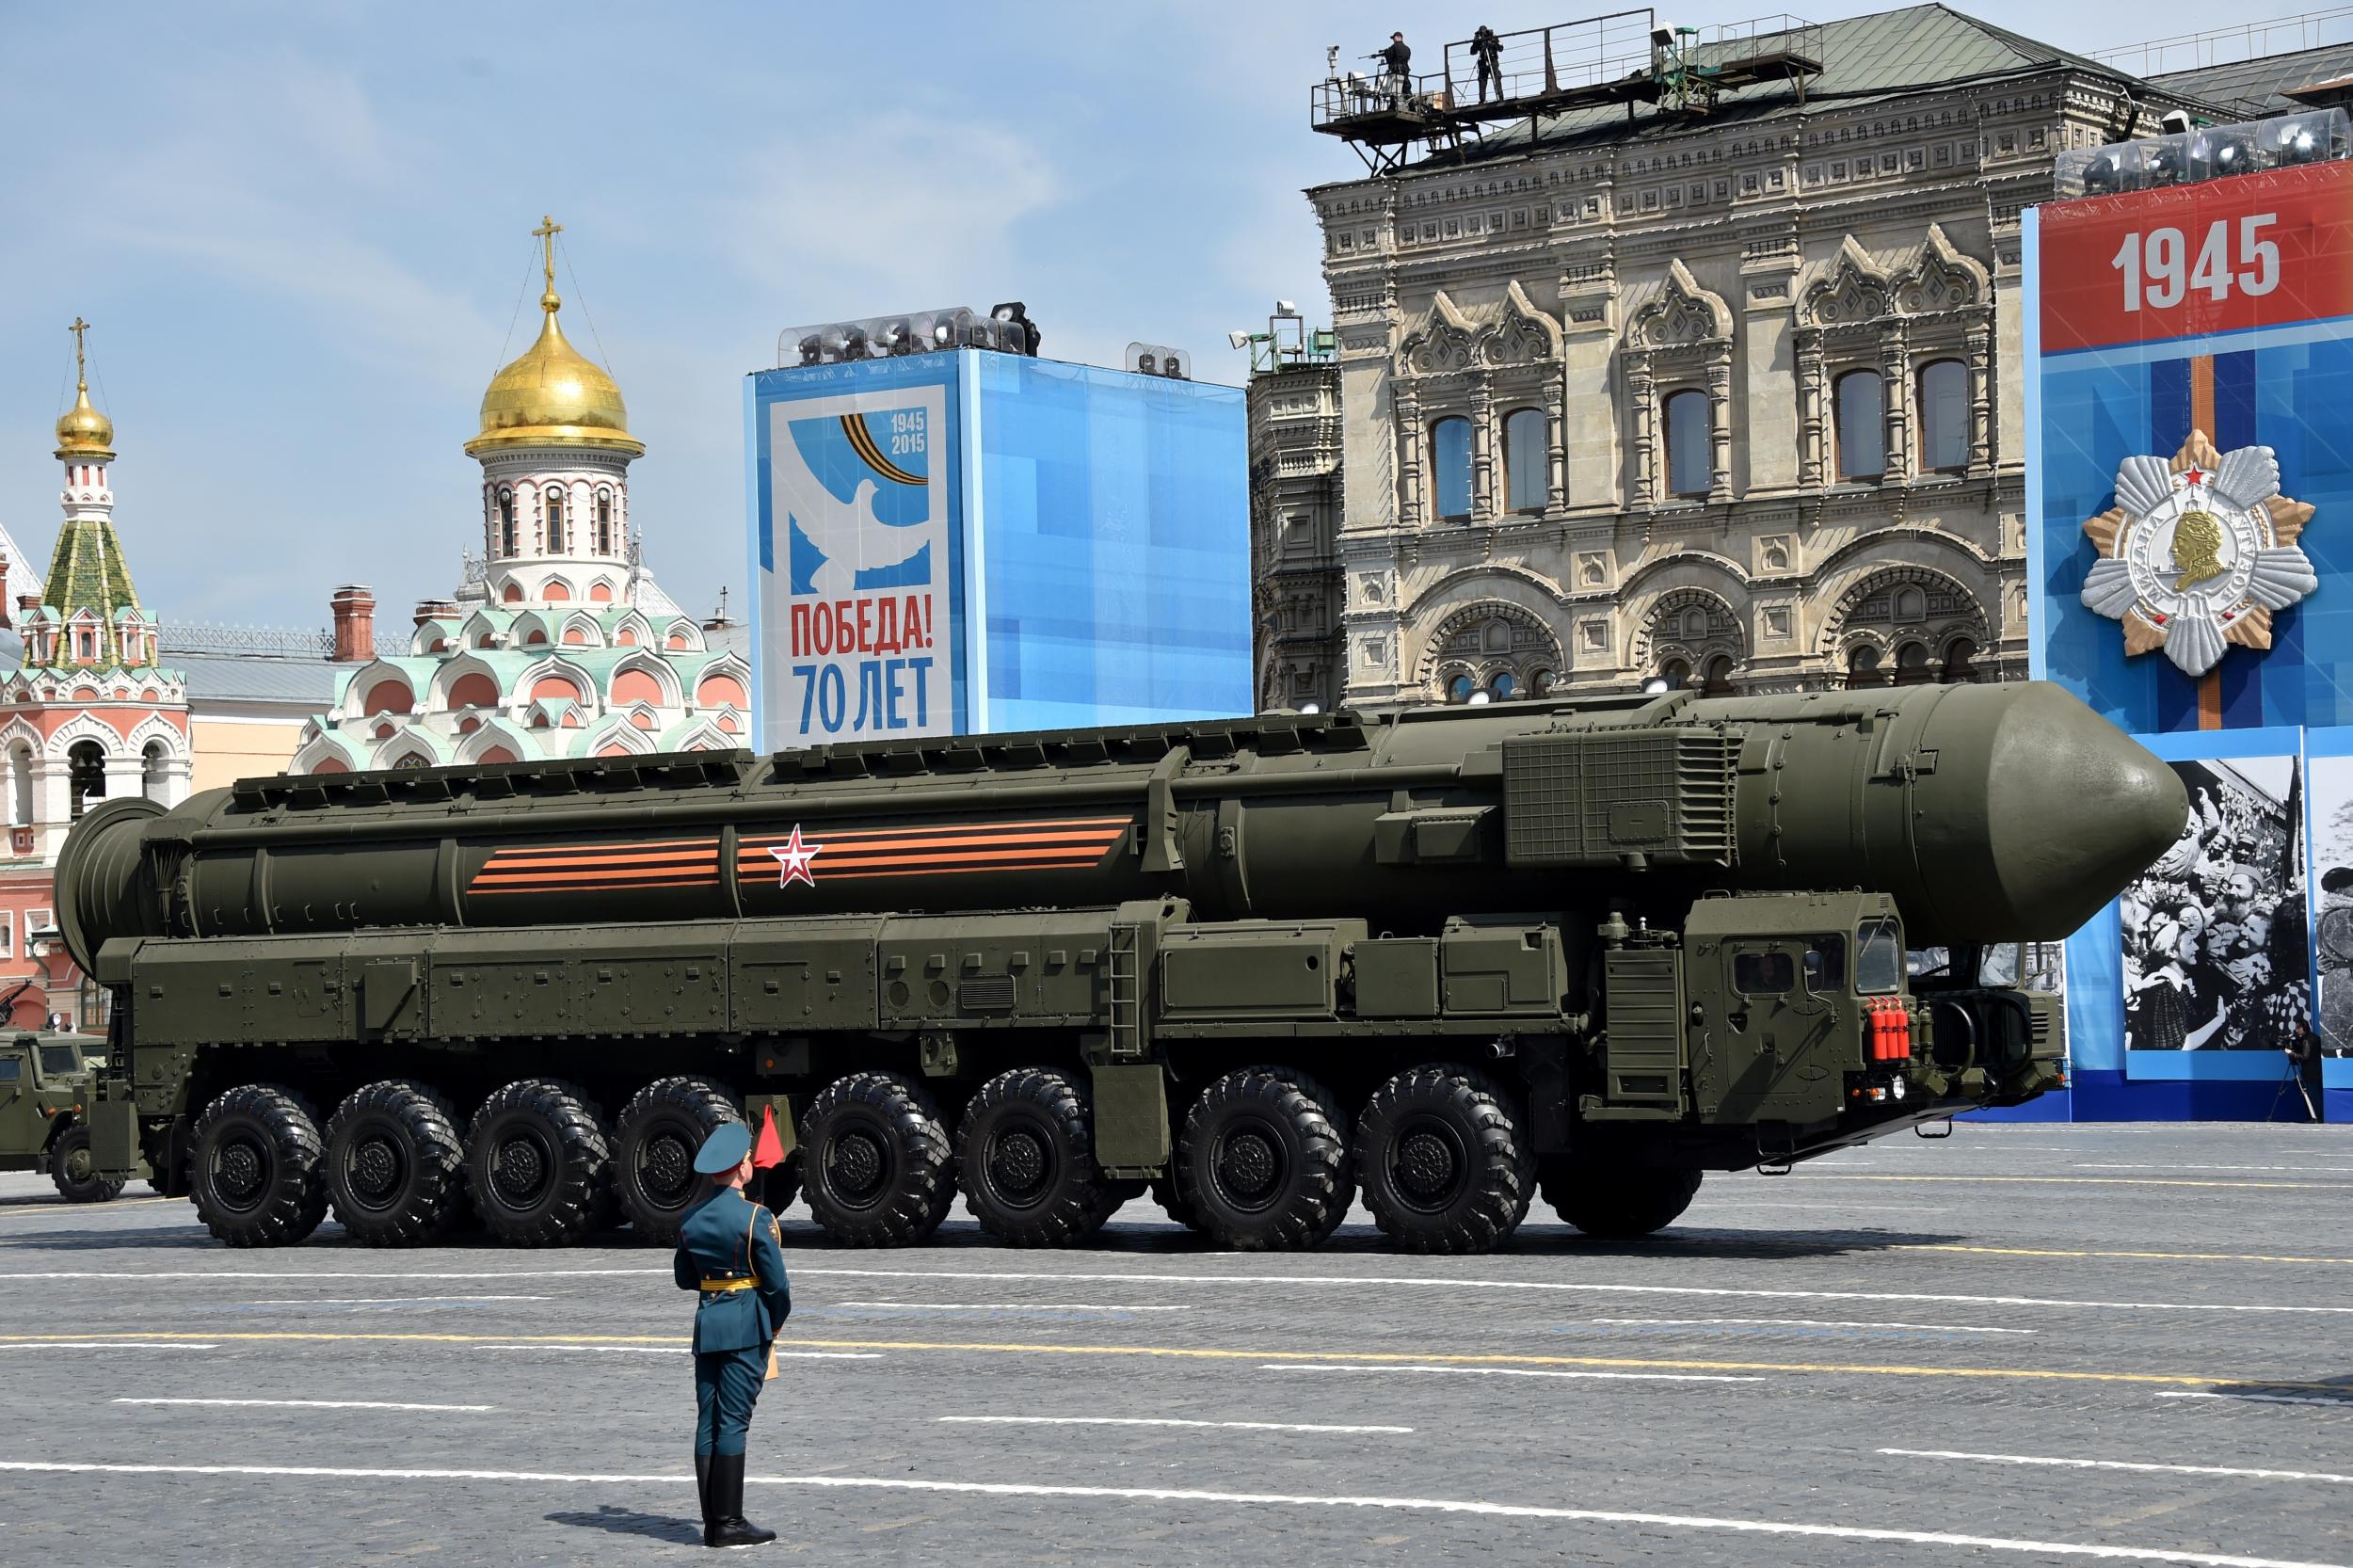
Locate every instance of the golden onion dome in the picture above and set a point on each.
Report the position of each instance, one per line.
(84, 432)
(554, 395)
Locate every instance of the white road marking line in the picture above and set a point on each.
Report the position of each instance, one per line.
(683, 1350)
(317, 1405)
(108, 1345)
(2121, 1464)
(1808, 1323)
(2290, 1168)
(1841, 1207)
(1001, 1306)
(1462, 1283)
(1146, 1421)
(386, 1300)
(1141, 1494)
(2268, 1398)
(295, 1277)
(1508, 1372)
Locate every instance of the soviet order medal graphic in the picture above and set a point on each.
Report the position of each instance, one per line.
(2197, 552)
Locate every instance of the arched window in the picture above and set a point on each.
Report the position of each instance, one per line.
(1527, 448)
(1718, 681)
(506, 523)
(1912, 664)
(21, 785)
(410, 759)
(604, 522)
(1859, 401)
(1459, 688)
(1961, 662)
(555, 522)
(86, 774)
(153, 771)
(1540, 682)
(1449, 467)
(1944, 417)
(1676, 673)
(1505, 686)
(1863, 668)
(1686, 420)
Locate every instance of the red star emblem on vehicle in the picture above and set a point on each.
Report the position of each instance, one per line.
(795, 858)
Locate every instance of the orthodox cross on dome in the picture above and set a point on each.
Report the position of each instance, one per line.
(546, 234)
(81, 367)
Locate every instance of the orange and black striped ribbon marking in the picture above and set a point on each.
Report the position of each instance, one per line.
(1069, 843)
(1062, 844)
(862, 442)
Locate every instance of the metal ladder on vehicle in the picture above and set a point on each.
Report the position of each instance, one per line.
(1125, 972)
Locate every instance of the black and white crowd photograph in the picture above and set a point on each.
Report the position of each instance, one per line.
(2215, 933)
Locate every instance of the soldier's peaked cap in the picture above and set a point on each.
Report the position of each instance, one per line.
(724, 1150)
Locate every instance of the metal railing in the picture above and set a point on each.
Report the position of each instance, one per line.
(2248, 41)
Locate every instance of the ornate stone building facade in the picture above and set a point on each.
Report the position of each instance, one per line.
(1729, 397)
(1294, 416)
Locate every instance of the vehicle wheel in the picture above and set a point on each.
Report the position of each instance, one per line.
(1164, 1193)
(1443, 1161)
(70, 1168)
(395, 1166)
(1026, 1159)
(1618, 1205)
(540, 1163)
(876, 1164)
(257, 1167)
(660, 1130)
(1262, 1162)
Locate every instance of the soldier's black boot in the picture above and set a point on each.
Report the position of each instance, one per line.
(702, 1493)
(728, 1528)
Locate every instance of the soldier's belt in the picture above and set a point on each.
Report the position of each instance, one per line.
(716, 1286)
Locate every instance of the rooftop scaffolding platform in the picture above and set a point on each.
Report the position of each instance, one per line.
(1627, 57)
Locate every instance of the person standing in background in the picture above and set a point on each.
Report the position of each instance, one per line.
(1487, 50)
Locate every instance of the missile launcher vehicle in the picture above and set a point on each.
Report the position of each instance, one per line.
(1450, 958)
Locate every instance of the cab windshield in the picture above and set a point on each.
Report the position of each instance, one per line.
(1879, 961)
(57, 1061)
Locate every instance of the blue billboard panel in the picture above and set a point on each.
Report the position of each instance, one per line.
(2190, 561)
(972, 542)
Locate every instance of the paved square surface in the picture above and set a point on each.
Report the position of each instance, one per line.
(2024, 1344)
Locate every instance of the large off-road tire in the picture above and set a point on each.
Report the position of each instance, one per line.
(876, 1164)
(395, 1164)
(1025, 1158)
(257, 1167)
(1443, 1161)
(1263, 1162)
(660, 1130)
(70, 1168)
(540, 1163)
(1616, 1205)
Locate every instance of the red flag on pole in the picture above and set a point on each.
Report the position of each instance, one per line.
(769, 1150)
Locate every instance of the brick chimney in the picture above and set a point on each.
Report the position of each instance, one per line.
(433, 608)
(355, 624)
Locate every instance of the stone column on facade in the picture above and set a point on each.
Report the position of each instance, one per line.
(1408, 456)
(1810, 375)
(1719, 424)
(1483, 444)
(1638, 387)
(1895, 358)
(1980, 353)
(1556, 442)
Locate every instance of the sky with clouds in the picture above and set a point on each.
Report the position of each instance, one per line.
(303, 233)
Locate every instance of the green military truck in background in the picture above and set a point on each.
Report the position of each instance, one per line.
(1446, 958)
(44, 1085)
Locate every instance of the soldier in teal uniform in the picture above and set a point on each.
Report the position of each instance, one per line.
(729, 1251)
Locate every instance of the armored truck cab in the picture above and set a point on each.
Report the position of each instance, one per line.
(1449, 956)
(44, 1084)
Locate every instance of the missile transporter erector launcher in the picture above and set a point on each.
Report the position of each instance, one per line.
(1450, 958)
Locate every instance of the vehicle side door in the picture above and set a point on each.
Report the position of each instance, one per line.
(19, 1105)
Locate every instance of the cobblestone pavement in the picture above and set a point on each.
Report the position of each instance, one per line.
(2025, 1344)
